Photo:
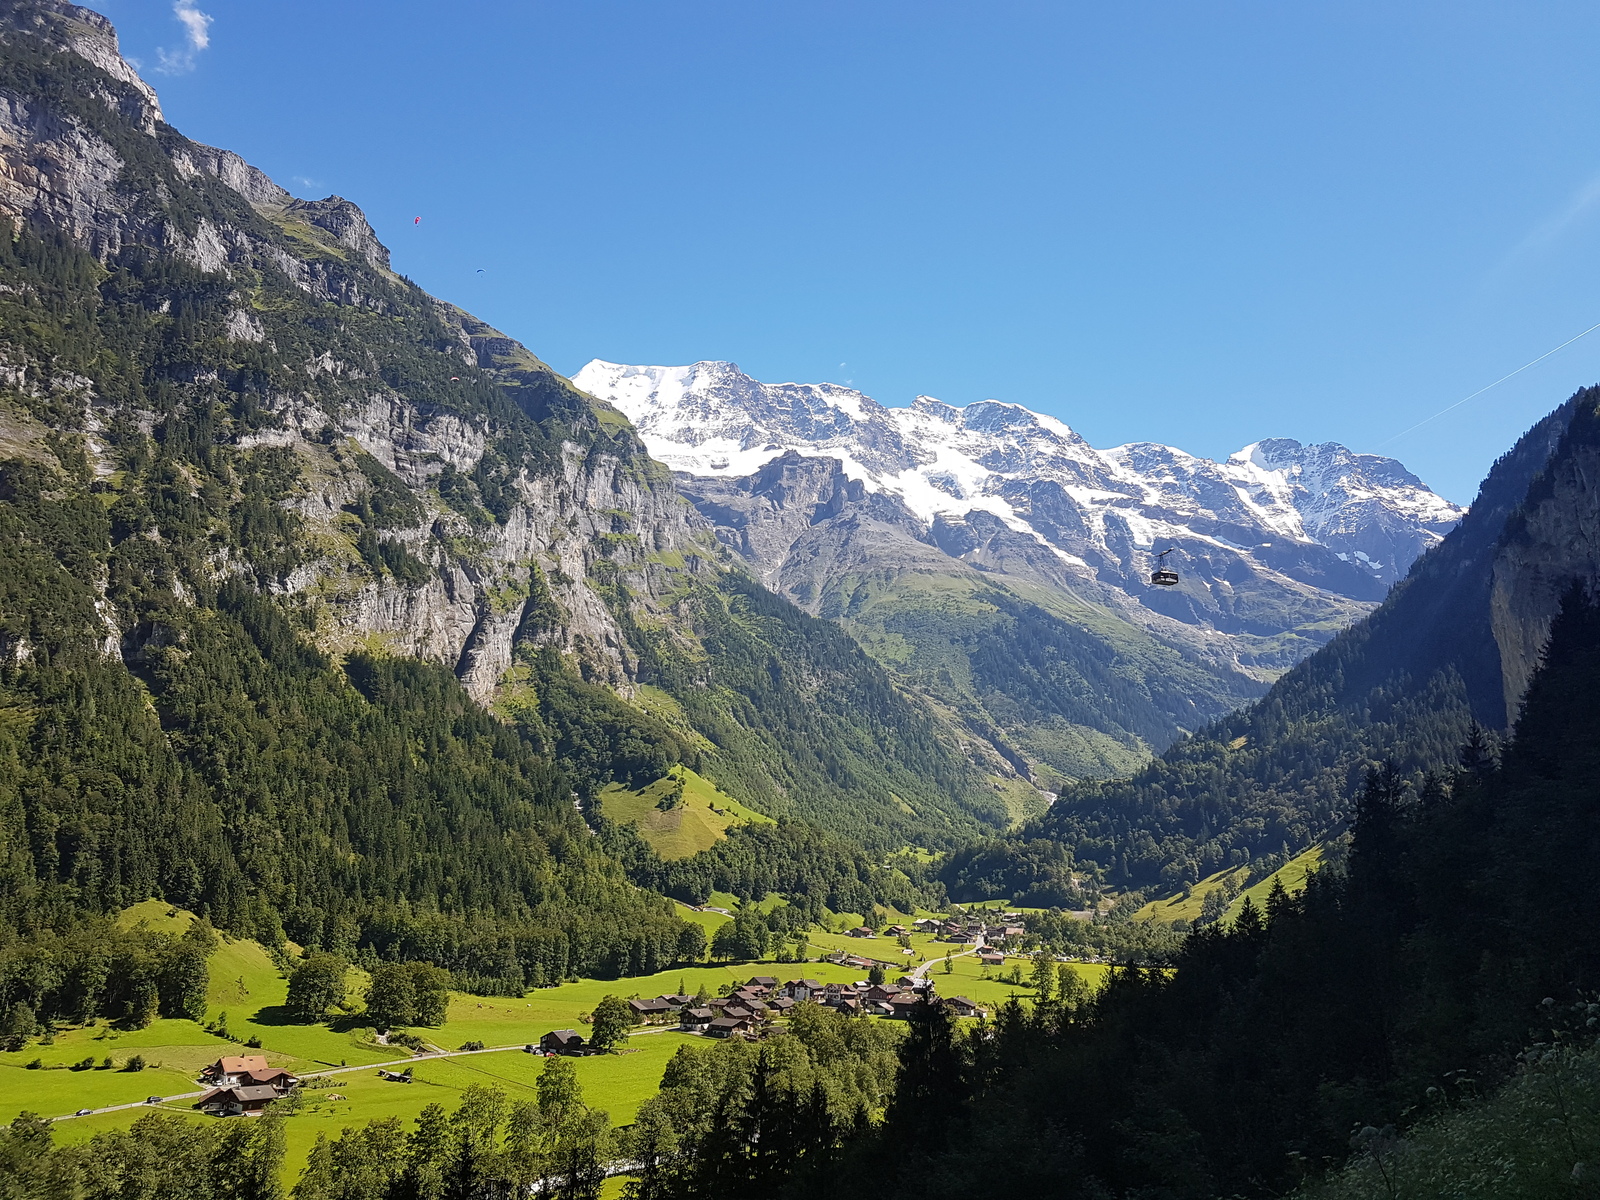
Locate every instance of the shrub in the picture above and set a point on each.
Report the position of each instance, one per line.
(36, 1065)
(85, 1065)
(135, 1063)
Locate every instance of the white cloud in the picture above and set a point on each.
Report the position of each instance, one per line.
(1550, 230)
(197, 36)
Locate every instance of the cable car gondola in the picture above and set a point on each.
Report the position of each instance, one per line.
(1162, 576)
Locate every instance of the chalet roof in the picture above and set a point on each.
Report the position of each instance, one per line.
(657, 1005)
(235, 1065)
(269, 1075)
(736, 1012)
(565, 1035)
(701, 1014)
(765, 981)
(783, 1002)
(241, 1093)
(728, 1023)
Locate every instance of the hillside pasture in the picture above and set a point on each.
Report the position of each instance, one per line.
(690, 822)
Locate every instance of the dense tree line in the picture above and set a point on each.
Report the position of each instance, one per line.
(733, 1118)
(810, 866)
(96, 970)
(1412, 980)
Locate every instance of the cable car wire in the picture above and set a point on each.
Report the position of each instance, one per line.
(1482, 390)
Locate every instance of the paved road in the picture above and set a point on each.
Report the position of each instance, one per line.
(922, 971)
(378, 1066)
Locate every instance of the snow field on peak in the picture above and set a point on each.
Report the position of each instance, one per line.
(710, 418)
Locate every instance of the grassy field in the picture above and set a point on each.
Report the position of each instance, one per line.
(695, 823)
(1292, 875)
(249, 989)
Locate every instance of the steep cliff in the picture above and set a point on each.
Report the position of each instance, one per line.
(253, 396)
(1551, 545)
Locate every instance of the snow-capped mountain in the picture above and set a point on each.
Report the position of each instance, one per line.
(711, 419)
(998, 563)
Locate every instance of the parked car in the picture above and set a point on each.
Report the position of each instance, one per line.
(152, 1099)
(83, 1112)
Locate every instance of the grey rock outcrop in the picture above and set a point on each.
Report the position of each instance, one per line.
(595, 506)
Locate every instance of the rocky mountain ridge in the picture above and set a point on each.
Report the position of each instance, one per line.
(1278, 546)
(256, 397)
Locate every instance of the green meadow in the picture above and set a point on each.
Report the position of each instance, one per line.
(247, 987)
(691, 822)
(1292, 875)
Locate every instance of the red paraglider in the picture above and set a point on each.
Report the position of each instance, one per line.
(416, 220)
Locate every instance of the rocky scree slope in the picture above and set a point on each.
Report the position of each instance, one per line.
(1000, 564)
(253, 395)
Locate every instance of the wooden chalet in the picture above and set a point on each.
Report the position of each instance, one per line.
(727, 1026)
(238, 1100)
(699, 1017)
(230, 1070)
(562, 1041)
(801, 990)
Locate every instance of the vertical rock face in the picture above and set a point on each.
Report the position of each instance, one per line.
(92, 159)
(1551, 545)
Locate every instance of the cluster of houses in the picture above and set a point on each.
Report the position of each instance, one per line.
(763, 999)
(1008, 930)
(243, 1084)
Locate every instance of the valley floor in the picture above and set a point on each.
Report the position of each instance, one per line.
(341, 1057)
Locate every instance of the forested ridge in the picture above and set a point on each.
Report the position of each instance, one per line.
(1457, 952)
(180, 718)
(1403, 686)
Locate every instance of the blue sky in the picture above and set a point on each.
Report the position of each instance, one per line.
(1196, 223)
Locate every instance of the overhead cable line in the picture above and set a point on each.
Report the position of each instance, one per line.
(1482, 390)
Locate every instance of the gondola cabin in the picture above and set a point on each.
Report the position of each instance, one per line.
(1164, 578)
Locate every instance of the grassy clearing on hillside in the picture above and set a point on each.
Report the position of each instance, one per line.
(694, 823)
(1292, 875)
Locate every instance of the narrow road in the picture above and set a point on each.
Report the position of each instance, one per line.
(377, 1066)
(922, 971)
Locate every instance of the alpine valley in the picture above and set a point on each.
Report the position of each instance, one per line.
(999, 565)
(362, 675)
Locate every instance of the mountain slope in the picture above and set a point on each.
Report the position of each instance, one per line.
(279, 526)
(948, 540)
(1453, 644)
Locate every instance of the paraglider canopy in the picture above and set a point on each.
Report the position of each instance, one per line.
(1162, 576)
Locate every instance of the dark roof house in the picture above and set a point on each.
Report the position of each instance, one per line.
(238, 1100)
(562, 1041)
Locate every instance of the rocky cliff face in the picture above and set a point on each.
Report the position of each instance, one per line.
(89, 155)
(245, 398)
(1551, 545)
